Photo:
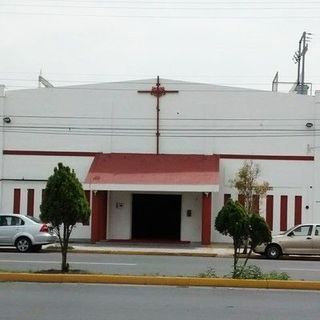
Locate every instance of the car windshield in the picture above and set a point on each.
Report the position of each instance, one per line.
(287, 231)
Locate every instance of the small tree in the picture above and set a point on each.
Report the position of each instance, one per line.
(234, 221)
(246, 182)
(64, 205)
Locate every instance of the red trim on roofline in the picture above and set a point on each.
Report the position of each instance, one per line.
(266, 157)
(50, 153)
(92, 154)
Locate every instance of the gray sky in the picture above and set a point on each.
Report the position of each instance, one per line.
(238, 43)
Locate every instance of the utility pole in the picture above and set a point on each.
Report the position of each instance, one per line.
(43, 81)
(299, 58)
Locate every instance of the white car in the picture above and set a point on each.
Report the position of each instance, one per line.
(303, 239)
(24, 232)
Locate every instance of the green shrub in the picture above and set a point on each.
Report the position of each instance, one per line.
(273, 275)
(210, 273)
(248, 272)
(255, 272)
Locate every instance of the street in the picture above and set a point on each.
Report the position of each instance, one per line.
(151, 265)
(41, 301)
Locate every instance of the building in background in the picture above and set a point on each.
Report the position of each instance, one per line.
(156, 156)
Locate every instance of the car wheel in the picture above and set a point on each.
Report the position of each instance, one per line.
(23, 244)
(273, 252)
(36, 248)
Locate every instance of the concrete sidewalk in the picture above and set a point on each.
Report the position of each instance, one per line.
(192, 249)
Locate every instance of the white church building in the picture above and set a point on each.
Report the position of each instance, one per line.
(156, 156)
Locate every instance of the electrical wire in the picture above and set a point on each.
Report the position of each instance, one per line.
(254, 17)
(290, 2)
(135, 7)
(239, 135)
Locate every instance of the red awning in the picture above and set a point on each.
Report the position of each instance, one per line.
(152, 169)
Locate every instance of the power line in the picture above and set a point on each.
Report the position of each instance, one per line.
(190, 135)
(151, 3)
(280, 17)
(290, 7)
(172, 2)
(53, 117)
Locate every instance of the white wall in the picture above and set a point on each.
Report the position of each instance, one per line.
(291, 178)
(119, 218)
(114, 117)
(79, 232)
(191, 226)
(41, 167)
(200, 119)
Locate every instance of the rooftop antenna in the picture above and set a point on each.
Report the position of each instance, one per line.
(299, 59)
(275, 82)
(43, 81)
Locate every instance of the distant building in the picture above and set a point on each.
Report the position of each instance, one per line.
(151, 184)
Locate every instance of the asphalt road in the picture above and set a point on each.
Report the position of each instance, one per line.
(150, 265)
(40, 301)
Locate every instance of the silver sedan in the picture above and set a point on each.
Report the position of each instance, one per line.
(24, 232)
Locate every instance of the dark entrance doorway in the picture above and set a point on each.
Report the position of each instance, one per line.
(156, 216)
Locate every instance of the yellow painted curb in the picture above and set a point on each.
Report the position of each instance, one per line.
(154, 280)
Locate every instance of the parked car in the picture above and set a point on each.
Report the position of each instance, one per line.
(24, 232)
(303, 239)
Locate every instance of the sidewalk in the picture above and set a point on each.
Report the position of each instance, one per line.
(192, 249)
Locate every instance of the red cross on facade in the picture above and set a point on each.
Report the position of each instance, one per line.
(158, 92)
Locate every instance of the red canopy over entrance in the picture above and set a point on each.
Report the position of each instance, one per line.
(152, 172)
(118, 168)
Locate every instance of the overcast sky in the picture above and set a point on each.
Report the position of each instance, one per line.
(237, 43)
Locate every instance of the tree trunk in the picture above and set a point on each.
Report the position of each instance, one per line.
(64, 264)
(64, 249)
(245, 247)
(235, 259)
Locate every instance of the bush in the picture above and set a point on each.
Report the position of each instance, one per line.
(210, 273)
(273, 275)
(248, 272)
(255, 272)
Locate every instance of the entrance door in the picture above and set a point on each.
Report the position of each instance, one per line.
(156, 216)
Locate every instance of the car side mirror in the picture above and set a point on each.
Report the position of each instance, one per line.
(291, 234)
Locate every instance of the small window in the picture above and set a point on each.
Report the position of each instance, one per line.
(3, 221)
(15, 221)
(303, 231)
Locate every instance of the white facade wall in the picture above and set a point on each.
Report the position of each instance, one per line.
(115, 118)
(291, 178)
(200, 119)
(191, 226)
(119, 218)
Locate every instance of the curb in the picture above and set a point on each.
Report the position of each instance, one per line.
(145, 253)
(163, 281)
